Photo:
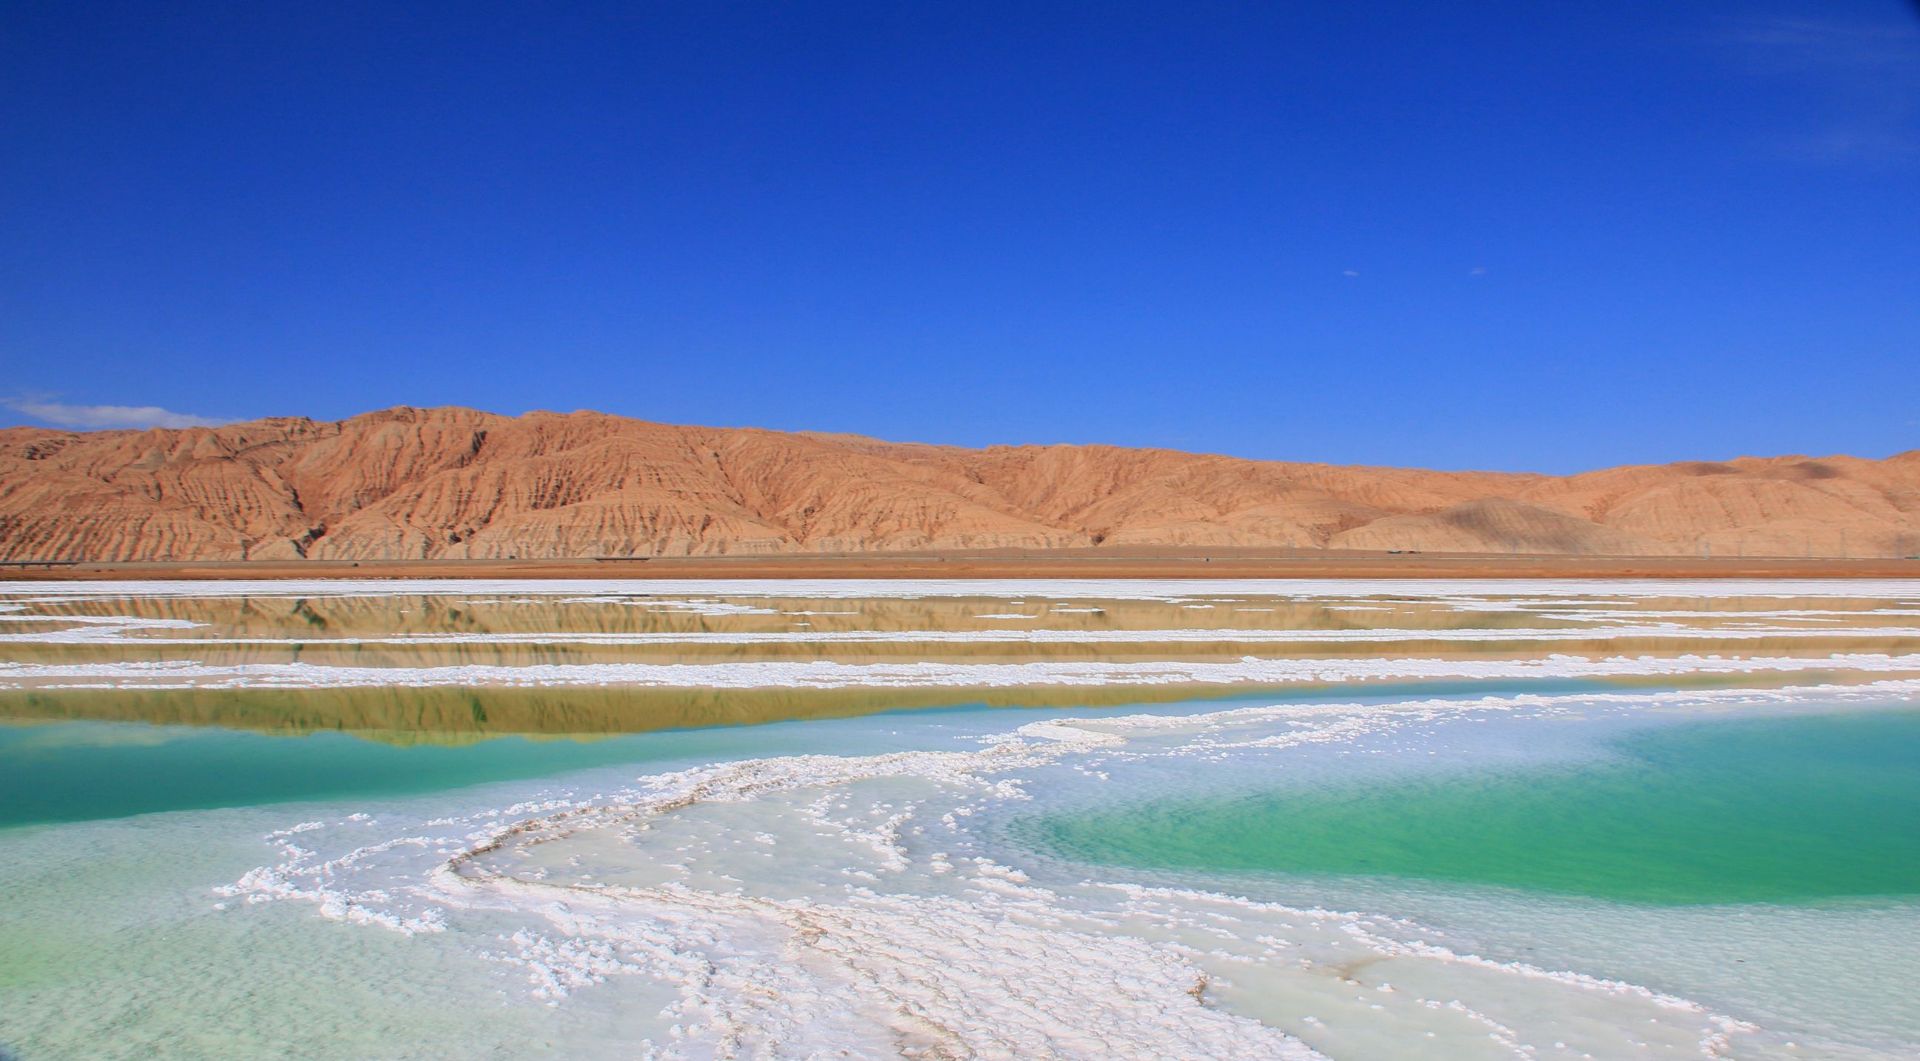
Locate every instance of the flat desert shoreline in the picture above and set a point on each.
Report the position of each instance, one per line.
(1082, 563)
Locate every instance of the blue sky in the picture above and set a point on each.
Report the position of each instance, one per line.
(1502, 235)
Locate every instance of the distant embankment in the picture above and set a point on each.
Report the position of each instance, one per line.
(454, 484)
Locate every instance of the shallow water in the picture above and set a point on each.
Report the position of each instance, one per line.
(1211, 829)
(62, 769)
(1779, 810)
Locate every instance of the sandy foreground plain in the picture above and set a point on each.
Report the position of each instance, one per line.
(1065, 563)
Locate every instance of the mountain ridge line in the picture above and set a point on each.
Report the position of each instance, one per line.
(452, 483)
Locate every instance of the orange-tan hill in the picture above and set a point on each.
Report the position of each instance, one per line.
(456, 483)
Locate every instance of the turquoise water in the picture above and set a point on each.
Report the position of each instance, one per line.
(65, 771)
(80, 771)
(1776, 810)
(100, 905)
(1391, 869)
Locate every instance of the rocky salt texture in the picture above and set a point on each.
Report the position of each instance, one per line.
(812, 905)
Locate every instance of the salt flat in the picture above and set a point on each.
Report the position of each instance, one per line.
(360, 782)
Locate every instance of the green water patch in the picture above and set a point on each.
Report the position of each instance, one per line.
(85, 770)
(82, 769)
(78, 755)
(1780, 810)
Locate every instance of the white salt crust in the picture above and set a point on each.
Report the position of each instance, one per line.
(924, 948)
(1177, 590)
(909, 940)
(100, 630)
(824, 674)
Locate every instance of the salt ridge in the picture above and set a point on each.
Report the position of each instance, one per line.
(102, 630)
(966, 968)
(1059, 589)
(824, 674)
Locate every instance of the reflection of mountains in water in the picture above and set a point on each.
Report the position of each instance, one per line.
(322, 617)
(463, 715)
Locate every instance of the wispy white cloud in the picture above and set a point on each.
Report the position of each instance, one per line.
(1816, 44)
(1860, 82)
(105, 417)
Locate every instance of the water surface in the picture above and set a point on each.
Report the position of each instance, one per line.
(1778, 810)
(1071, 818)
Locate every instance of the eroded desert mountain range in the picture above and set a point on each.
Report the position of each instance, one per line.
(456, 483)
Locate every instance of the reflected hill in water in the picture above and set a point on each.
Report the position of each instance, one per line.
(323, 616)
(316, 627)
(463, 715)
(455, 715)
(330, 630)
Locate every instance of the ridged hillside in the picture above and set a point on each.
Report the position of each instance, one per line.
(455, 483)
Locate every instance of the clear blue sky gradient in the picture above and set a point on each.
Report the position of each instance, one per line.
(1547, 236)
